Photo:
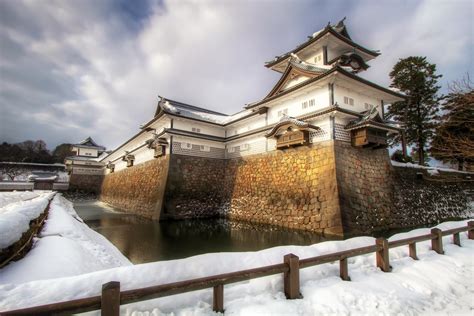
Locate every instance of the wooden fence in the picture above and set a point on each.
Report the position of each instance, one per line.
(111, 298)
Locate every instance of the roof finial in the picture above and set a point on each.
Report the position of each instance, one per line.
(341, 23)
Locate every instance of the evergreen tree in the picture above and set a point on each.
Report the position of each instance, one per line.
(454, 137)
(417, 79)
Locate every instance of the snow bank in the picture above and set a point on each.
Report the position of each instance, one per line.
(11, 197)
(434, 284)
(15, 217)
(430, 170)
(66, 247)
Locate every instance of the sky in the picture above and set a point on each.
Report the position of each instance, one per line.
(72, 69)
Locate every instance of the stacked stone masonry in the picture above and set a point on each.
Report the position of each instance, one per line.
(329, 187)
(138, 189)
(294, 188)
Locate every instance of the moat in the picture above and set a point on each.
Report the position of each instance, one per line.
(142, 240)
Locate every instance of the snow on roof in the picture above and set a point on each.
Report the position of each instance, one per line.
(182, 109)
(88, 142)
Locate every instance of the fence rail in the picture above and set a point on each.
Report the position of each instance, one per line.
(111, 298)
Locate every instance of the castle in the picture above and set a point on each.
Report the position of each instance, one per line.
(319, 97)
(310, 155)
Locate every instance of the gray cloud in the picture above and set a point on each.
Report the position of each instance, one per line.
(78, 68)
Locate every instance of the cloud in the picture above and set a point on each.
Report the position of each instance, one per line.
(78, 68)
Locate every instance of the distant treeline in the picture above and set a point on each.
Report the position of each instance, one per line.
(34, 151)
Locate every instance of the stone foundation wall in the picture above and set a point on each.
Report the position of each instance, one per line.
(364, 179)
(138, 189)
(329, 187)
(85, 182)
(375, 196)
(421, 198)
(195, 187)
(294, 188)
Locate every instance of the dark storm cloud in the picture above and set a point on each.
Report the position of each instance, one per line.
(70, 69)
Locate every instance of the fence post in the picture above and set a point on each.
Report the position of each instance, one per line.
(218, 299)
(110, 303)
(470, 232)
(292, 277)
(457, 239)
(344, 270)
(437, 242)
(382, 255)
(412, 251)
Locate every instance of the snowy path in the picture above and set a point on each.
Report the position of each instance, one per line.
(435, 284)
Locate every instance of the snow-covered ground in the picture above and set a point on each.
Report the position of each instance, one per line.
(15, 217)
(12, 197)
(65, 247)
(435, 284)
(430, 170)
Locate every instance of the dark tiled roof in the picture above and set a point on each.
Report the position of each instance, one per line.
(89, 142)
(339, 30)
(370, 117)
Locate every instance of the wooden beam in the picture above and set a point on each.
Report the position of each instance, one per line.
(218, 299)
(110, 299)
(382, 254)
(344, 270)
(292, 277)
(412, 251)
(437, 241)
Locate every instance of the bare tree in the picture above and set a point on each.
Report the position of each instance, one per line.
(454, 136)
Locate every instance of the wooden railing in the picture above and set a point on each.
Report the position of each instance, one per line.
(111, 298)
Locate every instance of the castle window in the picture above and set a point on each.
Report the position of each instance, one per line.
(244, 147)
(304, 105)
(196, 130)
(186, 146)
(312, 102)
(204, 148)
(367, 106)
(231, 149)
(349, 101)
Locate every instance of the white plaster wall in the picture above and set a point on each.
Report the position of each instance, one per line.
(143, 154)
(87, 152)
(310, 56)
(208, 129)
(295, 81)
(246, 146)
(161, 124)
(131, 145)
(294, 105)
(247, 125)
(195, 141)
(359, 99)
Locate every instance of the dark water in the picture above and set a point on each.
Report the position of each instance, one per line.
(142, 240)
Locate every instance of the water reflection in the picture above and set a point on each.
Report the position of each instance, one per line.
(143, 240)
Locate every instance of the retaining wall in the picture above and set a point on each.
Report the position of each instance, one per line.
(328, 187)
(294, 188)
(85, 182)
(138, 189)
(195, 187)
